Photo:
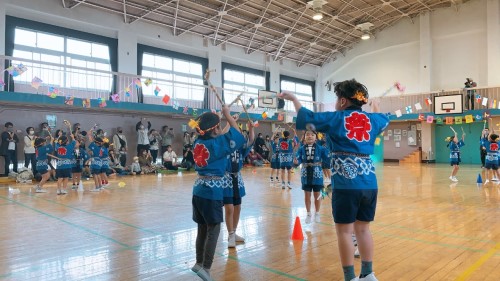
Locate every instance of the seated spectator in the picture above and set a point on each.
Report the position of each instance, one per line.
(114, 162)
(135, 168)
(188, 160)
(170, 159)
(146, 162)
(256, 159)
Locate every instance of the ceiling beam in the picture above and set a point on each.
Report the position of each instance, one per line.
(259, 23)
(288, 35)
(221, 14)
(152, 10)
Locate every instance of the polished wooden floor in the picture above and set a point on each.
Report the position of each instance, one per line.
(426, 229)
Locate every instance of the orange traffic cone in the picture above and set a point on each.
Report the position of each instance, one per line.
(297, 230)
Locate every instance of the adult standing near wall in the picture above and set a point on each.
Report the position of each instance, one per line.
(8, 148)
(142, 135)
(168, 136)
(120, 146)
(29, 149)
(469, 98)
(260, 145)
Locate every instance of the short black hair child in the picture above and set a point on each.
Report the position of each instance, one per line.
(353, 91)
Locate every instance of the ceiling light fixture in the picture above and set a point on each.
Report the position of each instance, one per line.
(365, 36)
(317, 6)
(365, 29)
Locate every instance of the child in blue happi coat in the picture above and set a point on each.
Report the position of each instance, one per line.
(454, 144)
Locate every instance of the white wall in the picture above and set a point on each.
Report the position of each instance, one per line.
(95, 21)
(451, 44)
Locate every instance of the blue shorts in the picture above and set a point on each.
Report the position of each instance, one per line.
(206, 211)
(95, 171)
(104, 170)
(42, 172)
(63, 173)
(76, 169)
(491, 166)
(285, 166)
(275, 164)
(453, 163)
(232, 201)
(312, 188)
(350, 205)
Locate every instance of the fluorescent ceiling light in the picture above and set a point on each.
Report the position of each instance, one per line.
(318, 16)
(365, 36)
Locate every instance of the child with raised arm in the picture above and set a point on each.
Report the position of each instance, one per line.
(65, 160)
(211, 149)
(352, 133)
(236, 190)
(454, 144)
(311, 155)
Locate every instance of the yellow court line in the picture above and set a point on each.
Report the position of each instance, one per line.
(466, 273)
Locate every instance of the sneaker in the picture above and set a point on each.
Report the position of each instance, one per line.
(73, 187)
(231, 240)
(196, 268)
(308, 219)
(486, 181)
(105, 185)
(356, 252)
(204, 275)
(455, 179)
(289, 186)
(40, 190)
(369, 277)
(271, 181)
(63, 192)
(282, 185)
(317, 218)
(494, 179)
(239, 238)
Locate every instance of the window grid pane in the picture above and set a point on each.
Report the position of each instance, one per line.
(302, 91)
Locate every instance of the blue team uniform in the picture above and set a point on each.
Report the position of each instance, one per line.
(104, 155)
(286, 152)
(81, 156)
(491, 155)
(275, 160)
(455, 152)
(236, 189)
(96, 164)
(312, 157)
(42, 158)
(66, 159)
(352, 135)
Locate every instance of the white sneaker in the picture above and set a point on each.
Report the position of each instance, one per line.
(231, 240)
(369, 277)
(308, 219)
(239, 238)
(453, 179)
(204, 275)
(356, 252)
(486, 181)
(40, 190)
(95, 190)
(282, 185)
(289, 186)
(317, 218)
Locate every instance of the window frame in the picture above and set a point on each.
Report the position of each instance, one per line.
(301, 81)
(245, 70)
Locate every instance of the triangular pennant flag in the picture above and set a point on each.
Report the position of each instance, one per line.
(69, 100)
(469, 119)
(408, 109)
(185, 110)
(418, 106)
(86, 103)
(430, 118)
(449, 120)
(115, 98)
(53, 92)
(428, 101)
(166, 99)
(439, 120)
(137, 83)
(398, 113)
(36, 82)
(157, 91)
(485, 101)
(148, 82)
(421, 117)
(458, 119)
(478, 98)
(127, 91)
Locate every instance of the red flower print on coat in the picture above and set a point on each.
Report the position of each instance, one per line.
(62, 151)
(358, 126)
(494, 146)
(201, 155)
(284, 145)
(101, 152)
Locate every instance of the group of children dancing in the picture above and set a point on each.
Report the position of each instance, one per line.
(350, 136)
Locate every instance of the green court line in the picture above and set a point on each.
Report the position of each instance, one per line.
(134, 248)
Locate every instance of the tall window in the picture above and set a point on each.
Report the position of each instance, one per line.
(301, 88)
(188, 73)
(67, 53)
(238, 79)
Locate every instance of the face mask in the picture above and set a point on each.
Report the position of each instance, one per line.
(120, 131)
(45, 128)
(10, 129)
(136, 161)
(32, 132)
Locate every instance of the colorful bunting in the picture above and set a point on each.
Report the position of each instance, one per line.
(408, 109)
(468, 119)
(102, 102)
(127, 91)
(418, 106)
(36, 82)
(115, 98)
(458, 119)
(439, 120)
(449, 120)
(148, 82)
(264, 115)
(16, 70)
(157, 91)
(185, 110)
(137, 83)
(69, 100)
(166, 99)
(86, 103)
(53, 92)
(195, 112)
(485, 101)
(428, 101)
(421, 117)
(398, 113)
(281, 117)
(430, 119)
(175, 105)
(479, 117)
(478, 98)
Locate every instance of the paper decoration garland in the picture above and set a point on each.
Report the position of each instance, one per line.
(478, 98)
(439, 120)
(449, 120)
(264, 115)
(102, 102)
(428, 101)
(157, 90)
(468, 119)
(430, 119)
(69, 100)
(398, 113)
(458, 120)
(421, 117)
(479, 117)
(195, 112)
(16, 70)
(86, 103)
(36, 82)
(408, 109)
(166, 99)
(418, 106)
(53, 92)
(127, 91)
(485, 101)
(115, 98)
(137, 83)
(185, 110)
(175, 105)
(148, 82)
